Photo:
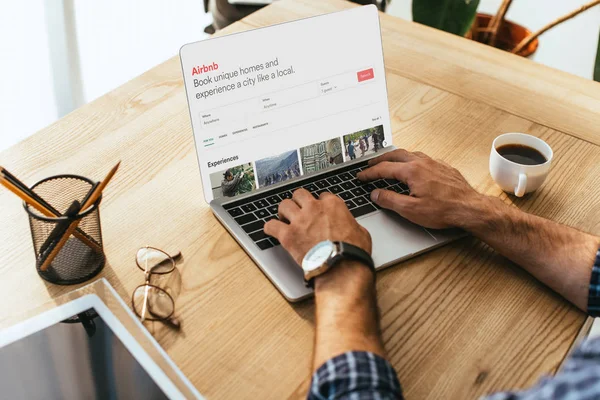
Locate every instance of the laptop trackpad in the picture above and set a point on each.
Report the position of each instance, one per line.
(394, 237)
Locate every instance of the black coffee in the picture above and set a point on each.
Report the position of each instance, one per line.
(521, 154)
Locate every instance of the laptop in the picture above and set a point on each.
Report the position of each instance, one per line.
(299, 104)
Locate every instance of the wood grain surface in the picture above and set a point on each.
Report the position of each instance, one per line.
(458, 322)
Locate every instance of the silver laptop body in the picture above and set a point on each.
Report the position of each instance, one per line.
(360, 82)
(394, 239)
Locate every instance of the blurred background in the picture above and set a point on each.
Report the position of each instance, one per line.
(60, 54)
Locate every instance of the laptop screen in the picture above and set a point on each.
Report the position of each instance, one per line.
(275, 103)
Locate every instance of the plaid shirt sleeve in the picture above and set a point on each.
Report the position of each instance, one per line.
(355, 375)
(365, 376)
(579, 379)
(594, 291)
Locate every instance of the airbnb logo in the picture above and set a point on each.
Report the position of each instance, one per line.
(197, 70)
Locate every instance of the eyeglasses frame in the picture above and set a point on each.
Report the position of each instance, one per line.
(147, 278)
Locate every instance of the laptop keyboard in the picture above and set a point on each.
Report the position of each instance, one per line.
(252, 212)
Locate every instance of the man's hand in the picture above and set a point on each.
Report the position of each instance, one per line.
(559, 256)
(312, 221)
(346, 308)
(440, 196)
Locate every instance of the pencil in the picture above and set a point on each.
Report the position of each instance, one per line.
(16, 182)
(98, 191)
(90, 201)
(61, 226)
(27, 198)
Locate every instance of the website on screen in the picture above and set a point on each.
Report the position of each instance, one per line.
(273, 104)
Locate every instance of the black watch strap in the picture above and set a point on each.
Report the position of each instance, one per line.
(351, 252)
(348, 251)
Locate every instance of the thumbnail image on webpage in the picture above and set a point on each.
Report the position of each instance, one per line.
(233, 181)
(279, 168)
(321, 155)
(364, 143)
(291, 164)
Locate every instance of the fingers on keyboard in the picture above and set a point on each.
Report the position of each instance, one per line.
(253, 214)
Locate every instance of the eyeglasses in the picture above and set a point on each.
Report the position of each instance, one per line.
(150, 302)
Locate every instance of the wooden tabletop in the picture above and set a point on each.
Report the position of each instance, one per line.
(458, 322)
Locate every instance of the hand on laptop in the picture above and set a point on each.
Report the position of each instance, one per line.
(559, 256)
(344, 295)
(440, 196)
(312, 221)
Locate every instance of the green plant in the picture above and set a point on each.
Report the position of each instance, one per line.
(454, 16)
(457, 16)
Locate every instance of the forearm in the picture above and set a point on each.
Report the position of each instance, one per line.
(559, 256)
(346, 313)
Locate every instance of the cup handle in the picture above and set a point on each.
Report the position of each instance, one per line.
(520, 188)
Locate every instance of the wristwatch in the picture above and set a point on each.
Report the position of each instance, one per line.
(326, 254)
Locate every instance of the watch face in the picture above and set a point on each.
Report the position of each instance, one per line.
(317, 255)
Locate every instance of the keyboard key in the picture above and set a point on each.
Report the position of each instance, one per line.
(253, 226)
(285, 195)
(262, 203)
(350, 204)
(404, 186)
(358, 182)
(270, 217)
(369, 187)
(315, 195)
(274, 241)
(244, 219)
(335, 189)
(354, 172)
(322, 184)
(362, 210)
(391, 181)
(311, 187)
(264, 244)
(345, 176)
(334, 180)
(228, 206)
(359, 201)
(346, 195)
(358, 191)
(347, 185)
(318, 192)
(380, 184)
(248, 207)
(291, 187)
(235, 212)
(258, 235)
(274, 199)
(399, 189)
(273, 209)
(262, 213)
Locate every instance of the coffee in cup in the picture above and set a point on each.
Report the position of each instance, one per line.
(519, 163)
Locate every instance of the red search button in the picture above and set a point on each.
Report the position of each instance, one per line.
(365, 75)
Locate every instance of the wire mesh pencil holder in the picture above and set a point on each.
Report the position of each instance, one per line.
(82, 256)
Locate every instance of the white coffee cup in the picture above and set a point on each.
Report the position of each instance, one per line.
(519, 178)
